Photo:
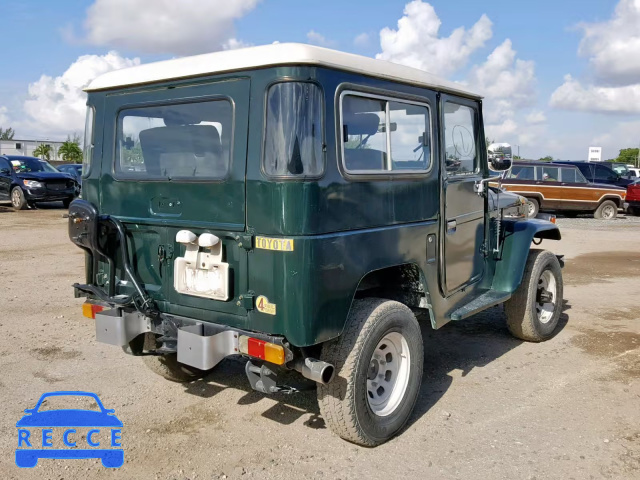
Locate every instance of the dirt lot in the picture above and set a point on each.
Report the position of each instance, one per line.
(491, 407)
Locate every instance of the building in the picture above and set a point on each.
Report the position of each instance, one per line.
(26, 147)
(595, 154)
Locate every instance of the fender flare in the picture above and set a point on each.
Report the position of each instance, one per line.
(515, 250)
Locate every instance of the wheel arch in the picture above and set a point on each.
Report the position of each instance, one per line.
(617, 199)
(515, 250)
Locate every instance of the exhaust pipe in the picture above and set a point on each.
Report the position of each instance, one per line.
(316, 370)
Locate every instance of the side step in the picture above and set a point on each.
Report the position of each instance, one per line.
(488, 299)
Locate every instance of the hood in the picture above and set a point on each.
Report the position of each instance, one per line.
(504, 200)
(69, 418)
(44, 176)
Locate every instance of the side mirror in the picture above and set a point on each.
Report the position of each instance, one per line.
(499, 155)
(500, 164)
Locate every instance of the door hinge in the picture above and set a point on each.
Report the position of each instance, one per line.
(246, 301)
(244, 241)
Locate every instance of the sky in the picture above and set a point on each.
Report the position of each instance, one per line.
(557, 76)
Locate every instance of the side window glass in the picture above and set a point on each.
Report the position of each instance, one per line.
(410, 136)
(363, 129)
(602, 173)
(294, 132)
(550, 174)
(87, 150)
(568, 175)
(526, 173)
(5, 168)
(460, 139)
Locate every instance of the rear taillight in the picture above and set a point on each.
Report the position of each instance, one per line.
(89, 310)
(254, 347)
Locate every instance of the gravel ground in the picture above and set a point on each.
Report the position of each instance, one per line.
(490, 407)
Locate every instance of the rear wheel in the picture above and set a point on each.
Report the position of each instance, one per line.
(534, 309)
(533, 207)
(378, 360)
(17, 199)
(608, 210)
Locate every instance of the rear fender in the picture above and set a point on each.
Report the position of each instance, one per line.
(518, 235)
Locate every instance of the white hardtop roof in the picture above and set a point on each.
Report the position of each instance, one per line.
(268, 56)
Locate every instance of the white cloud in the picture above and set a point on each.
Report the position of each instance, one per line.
(572, 95)
(316, 38)
(507, 82)
(613, 46)
(4, 118)
(417, 42)
(501, 131)
(622, 135)
(536, 117)
(362, 40)
(57, 106)
(164, 26)
(234, 44)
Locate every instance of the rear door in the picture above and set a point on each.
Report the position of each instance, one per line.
(463, 222)
(176, 161)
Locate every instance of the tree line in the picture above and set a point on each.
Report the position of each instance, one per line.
(70, 150)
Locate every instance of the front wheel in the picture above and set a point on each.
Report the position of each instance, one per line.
(533, 311)
(608, 210)
(378, 360)
(17, 199)
(533, 207)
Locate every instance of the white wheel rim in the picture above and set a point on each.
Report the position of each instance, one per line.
(607, 212)
(532, 209)
(546, 296)
(16, 198)
(388, 374)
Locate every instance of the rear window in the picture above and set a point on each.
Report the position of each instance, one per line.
(178, 141)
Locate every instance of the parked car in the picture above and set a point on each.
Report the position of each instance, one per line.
(300, 239)
(598, 172)
(27, 180)
(621, 169)
(73, 169)
(633, 198)
(562, 188)
(634, 173)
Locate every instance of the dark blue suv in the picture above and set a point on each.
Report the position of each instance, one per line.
(595, 172)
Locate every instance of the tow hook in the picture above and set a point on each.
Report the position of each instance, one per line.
(263, 379)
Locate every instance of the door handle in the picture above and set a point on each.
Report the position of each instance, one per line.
(451, 226)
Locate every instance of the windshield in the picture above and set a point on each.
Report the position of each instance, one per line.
(620, 169)
(29, 165)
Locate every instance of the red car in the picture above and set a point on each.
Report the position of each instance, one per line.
(633, 197)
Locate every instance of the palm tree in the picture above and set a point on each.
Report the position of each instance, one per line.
(43, 151)
(70, 151)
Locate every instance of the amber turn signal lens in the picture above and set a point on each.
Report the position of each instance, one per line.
(254, 347)
(89, 310)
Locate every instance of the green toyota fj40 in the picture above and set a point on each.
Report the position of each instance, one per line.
(293, 204)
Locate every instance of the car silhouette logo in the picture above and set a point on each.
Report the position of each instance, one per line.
(32, 447)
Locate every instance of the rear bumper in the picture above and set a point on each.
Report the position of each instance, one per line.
(199, 344)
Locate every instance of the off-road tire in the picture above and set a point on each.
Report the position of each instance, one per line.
(343, 402)
(607, 205)
(17, 199)
(167, 366)
(520, 309)
(533, 207)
